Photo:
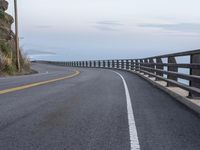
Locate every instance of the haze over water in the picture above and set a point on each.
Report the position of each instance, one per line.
(107, 29)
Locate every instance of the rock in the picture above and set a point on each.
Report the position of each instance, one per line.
(6, 34)
(5, 22)
(3, 5)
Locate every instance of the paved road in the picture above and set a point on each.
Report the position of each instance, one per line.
(89, 112)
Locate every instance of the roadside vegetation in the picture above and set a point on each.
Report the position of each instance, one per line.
(8, 61)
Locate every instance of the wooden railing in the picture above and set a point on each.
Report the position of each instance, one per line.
(167, 71)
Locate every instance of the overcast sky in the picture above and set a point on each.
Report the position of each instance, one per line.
(106, 29)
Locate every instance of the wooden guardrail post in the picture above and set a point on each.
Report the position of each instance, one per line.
(90, 64)
(172, 60)
(117, 64)
(159, 66)
(113, 64)
(127, 64)
(132, 65)
(194, 59)
(108, 63)
(145, 61)
(99, 64)
(122, 64)
(136, 65)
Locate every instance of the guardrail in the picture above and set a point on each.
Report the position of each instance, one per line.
(155, 67)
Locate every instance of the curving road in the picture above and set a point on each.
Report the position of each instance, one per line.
(91, 109)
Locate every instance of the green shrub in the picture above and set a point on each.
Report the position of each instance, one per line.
(9, 69)
(2, 14)
(5, 48)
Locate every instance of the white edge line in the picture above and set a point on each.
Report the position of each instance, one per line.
(134, 142)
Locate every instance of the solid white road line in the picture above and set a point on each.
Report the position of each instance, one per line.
(134, 142)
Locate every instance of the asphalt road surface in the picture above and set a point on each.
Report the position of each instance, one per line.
(91, 109)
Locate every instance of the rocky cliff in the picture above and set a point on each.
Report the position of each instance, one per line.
(7, 42)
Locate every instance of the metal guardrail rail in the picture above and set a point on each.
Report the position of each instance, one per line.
(154, 67)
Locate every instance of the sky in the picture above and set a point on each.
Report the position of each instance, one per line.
(65, 30)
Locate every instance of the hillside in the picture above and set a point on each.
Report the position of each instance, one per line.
(7, 44)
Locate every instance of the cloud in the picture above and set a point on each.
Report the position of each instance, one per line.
(109, 22)
(181, 27)
(108, 25)
(43, 26)
(39, 52)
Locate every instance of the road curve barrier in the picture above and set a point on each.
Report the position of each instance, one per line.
(161, 68)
